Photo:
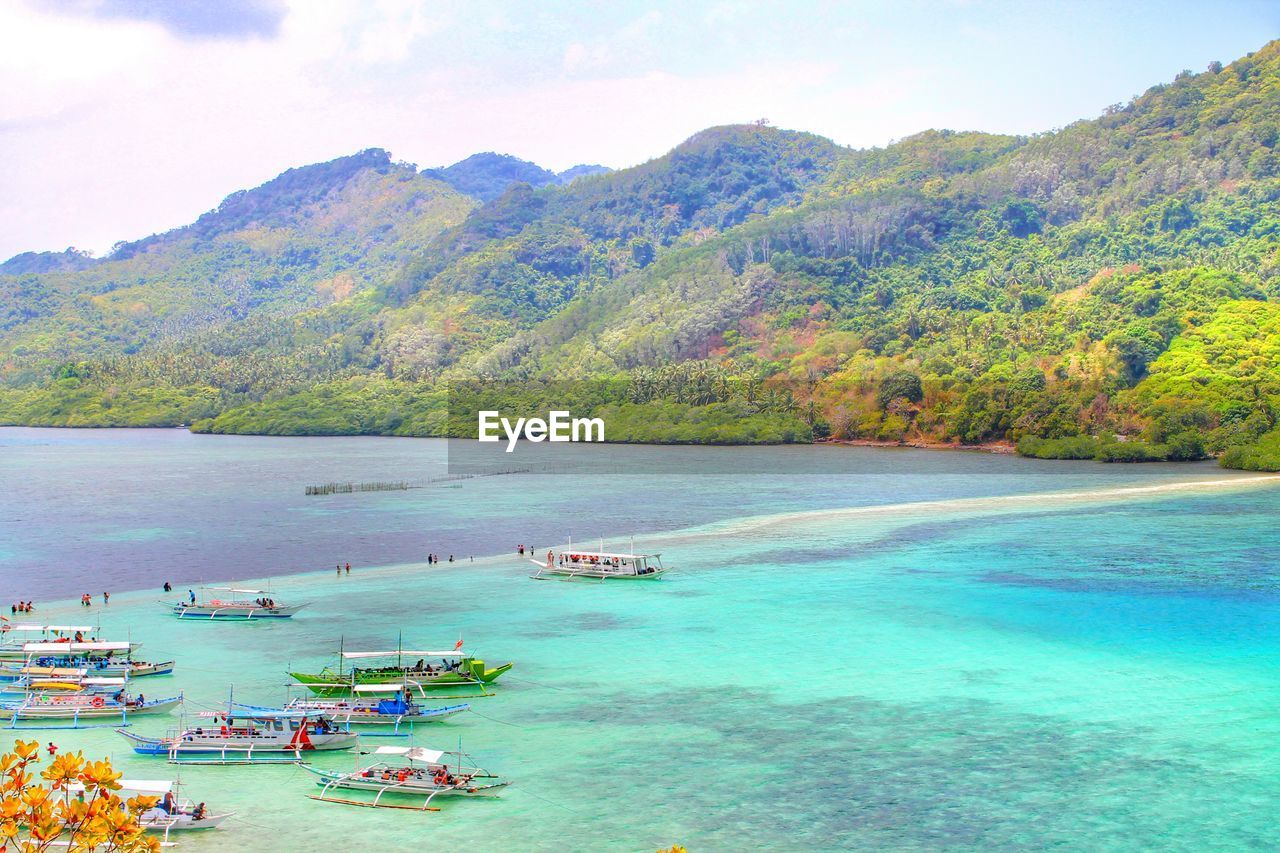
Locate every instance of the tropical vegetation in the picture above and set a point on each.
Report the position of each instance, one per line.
(77, 809)
(1107, 291)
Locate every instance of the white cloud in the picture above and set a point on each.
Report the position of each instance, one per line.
(113, 128)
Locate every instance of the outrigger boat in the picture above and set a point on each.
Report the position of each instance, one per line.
(357, 711)
(102, 659)
(169, 814)
(419, 772)
(17, 635)
(54, 643)
(242, 736)
(457, 669)
(601, 565)
(235, 609)
(75, 707)
(105, 667)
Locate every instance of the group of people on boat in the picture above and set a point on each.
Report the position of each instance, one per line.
(439, 775)
(170, 806)
(589, 559)
(77, 637)
(268, 603)
(423, 666)
(122, 699)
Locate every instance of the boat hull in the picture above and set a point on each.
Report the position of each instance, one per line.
(232, 613)
(165, 823)
(68, 711)
(213, 745)
(113, 670)
(558, 573)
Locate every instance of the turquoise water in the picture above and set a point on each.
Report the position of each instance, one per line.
(943, 650)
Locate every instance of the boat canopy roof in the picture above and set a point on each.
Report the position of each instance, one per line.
(244, 590)
(68, 671)
(42, 648)
(413, 753)
(456, 653)
(71, 628)
(111, 682)
(252, 713)
(381, 688)
(609, 554)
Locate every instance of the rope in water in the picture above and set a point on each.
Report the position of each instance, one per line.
(496, 720)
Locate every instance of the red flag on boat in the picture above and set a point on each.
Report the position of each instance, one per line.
(301, 740)
(458, 645)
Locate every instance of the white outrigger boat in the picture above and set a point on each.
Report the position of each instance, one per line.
(169, 814)
(419, 772)
(100, 658)
(56, 640)
(577, 564)
(370, 711)
(242, 736)
(234, 609)
(74, 707)
(15, 635)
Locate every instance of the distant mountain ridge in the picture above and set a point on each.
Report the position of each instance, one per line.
(68, 260)
(1118, 277)
(488, 175)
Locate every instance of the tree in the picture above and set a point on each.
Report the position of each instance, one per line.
(899, 385)
(78, 808)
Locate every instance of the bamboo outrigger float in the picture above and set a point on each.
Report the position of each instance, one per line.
(600, 566)
(420, 772)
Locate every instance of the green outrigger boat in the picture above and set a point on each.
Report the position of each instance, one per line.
(424, 673)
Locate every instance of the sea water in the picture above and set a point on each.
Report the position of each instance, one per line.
(891, 649)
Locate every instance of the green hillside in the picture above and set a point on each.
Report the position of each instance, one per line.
(1108, 290)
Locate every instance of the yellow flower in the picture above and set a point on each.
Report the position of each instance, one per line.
(63, 769)
(24, 750)
(99, 774)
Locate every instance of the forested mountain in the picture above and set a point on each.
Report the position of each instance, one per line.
(1105, 290)
(487, 176)
(69, 259)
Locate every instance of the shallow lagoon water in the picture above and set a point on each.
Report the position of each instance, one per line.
(1013, 655)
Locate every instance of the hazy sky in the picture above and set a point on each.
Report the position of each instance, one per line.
(120, 118)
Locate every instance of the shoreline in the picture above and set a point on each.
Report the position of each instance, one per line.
(996, 504)
(1004, 448)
